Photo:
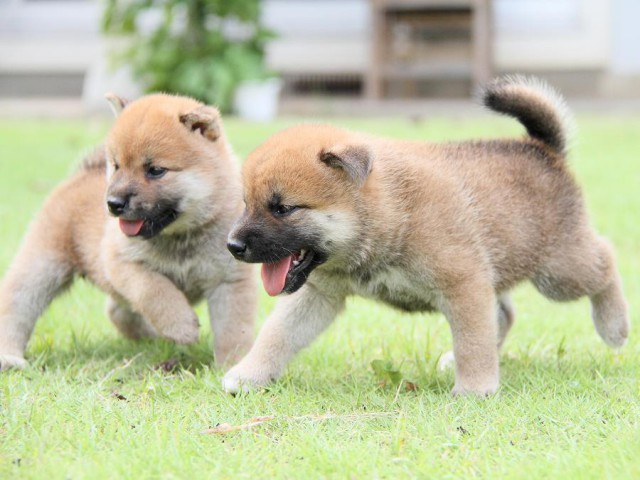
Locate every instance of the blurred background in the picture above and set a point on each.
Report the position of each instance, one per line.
(311, 57)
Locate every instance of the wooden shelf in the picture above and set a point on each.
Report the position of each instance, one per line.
(427, 71)
(429, 40)
(404, 5)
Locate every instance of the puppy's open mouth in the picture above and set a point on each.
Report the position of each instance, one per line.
(290, 273)
(147, 227)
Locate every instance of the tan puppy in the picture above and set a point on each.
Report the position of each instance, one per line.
(421, 226)
(172, 185)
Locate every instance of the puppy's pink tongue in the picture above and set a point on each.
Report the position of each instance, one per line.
(274, 275)
(131, 228)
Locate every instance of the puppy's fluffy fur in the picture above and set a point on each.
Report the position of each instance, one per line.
(168, 173)
(422, 226)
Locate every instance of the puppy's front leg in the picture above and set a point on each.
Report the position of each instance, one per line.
(296, 320)
(470, 308)
(232, 311)
(157, 299)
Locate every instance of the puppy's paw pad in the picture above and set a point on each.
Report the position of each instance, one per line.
(447, 361)
(8, 362)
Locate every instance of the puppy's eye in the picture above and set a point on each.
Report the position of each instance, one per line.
(283, 210)
(154, 173)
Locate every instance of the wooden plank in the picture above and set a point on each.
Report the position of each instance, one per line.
(417, 40)
(427, 71)
(403, 5)
(482, 42)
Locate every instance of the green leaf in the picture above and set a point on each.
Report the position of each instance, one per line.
(194, 58)
(386, 372)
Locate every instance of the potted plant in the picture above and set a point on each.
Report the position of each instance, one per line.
(201, 48)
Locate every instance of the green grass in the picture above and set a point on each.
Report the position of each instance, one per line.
(94, 405)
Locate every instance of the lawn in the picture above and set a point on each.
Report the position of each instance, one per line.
(94, 405)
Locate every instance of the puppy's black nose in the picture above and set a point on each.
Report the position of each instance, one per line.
(117, 205)
(237, 248)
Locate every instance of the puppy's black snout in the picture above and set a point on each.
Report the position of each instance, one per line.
(237, 248)
(117, 205)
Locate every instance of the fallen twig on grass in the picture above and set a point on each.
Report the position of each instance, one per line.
(223, 428)
(126, 364)
(228, 428)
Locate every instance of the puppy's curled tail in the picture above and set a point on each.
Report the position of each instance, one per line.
(536, 105)
(95, 160)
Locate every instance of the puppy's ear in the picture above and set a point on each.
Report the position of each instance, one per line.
(355, 160)
(117, 103)
(204, 119)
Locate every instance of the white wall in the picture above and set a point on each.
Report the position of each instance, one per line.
(319, 36)
(53, 35)
(625, 53)
(332, 36)
(558, 35)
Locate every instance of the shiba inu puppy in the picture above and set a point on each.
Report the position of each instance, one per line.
(146, 219)
(421, 226)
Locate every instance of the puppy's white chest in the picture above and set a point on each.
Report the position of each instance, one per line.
(193, 277)
(193, 271)
(400, 289)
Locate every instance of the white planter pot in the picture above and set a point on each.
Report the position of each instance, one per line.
(257, 100)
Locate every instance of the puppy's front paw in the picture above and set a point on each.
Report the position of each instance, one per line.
(8, 362)
(244, 378)
(234, 384)
(184, 333)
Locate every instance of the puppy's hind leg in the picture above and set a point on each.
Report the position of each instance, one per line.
(588, 268)
(506, 316)
(129, 323)
(608, 306)
(470, 308)
(38, 274)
